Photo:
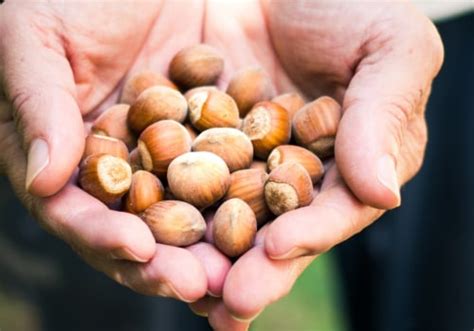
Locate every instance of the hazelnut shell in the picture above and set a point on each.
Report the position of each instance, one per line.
(200, 178)
(145, 190)
(161, 143)
(250, 86)
(234, 227)
(291, 153)
(232, 145)
(268, 126)
(315, 126)
(105, 177)
(248, 185)
(175, 223)
(139, 82)
(288, 187)
(196, 66)
(155, 104)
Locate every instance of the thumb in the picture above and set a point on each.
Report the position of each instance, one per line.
(382, 133)
(39, 83)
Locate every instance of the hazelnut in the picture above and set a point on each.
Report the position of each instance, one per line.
(290, 153)
(105, 177)
(175, 223)
(192, 132)
(134, 160)
(161, 143)
(139, 82)
(288, 187)
(212, 108)
(250, 86)
(196, 66)
(248, 185)
(113, 123)
(234, 227)
(292, 102)
(268, 126)
(155, 104)
(145, 190)
(232, 145)
(315, 126)
(200, 178)
(98, 144)
(191, 92)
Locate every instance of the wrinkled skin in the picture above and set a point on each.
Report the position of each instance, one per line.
(60, 65)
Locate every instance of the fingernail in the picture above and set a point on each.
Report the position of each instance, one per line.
(123, 253)
(246, 320)
(197, 312)
(200, 313)
(212, 294)
(387, 175)
(38, 159)
(291, 254)
(168, 291)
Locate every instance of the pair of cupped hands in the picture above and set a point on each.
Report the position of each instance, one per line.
(62, 63)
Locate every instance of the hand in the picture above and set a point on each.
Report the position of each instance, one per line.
(60, 64)
(378, 60)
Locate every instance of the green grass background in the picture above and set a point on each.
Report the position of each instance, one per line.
(314, 304)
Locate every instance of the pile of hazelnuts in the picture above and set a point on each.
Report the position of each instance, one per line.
(208, 149)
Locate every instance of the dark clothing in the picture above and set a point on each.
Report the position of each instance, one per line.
(68, 294)
(414, 268)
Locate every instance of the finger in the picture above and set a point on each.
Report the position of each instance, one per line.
(112, 242)
(387, 93)
(172, 272)
(38, 81)
(75, 216)
(87, 224)
(216, 265)
(203, 306)
(334, 216)
(255, 281)
(221, 320)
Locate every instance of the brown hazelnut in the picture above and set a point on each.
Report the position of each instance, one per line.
(161, 143)
(288, 187)
(196, 66)
(192, 132)
(211, 109)
(268, 126)
(139, 82)
(250, 86)
(234, 227)
(155, 104)
(232, 145)
(134, 160)
(145, 190)
(113, 123)
(248, 185)
(98, 144)
(105, 177)
(191, 92)
(175, 223)
(290, 153)
(315, 126)
(200, 178)
(292, 102)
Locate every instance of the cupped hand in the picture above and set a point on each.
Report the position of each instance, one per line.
(60, 64)
(379, 61)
